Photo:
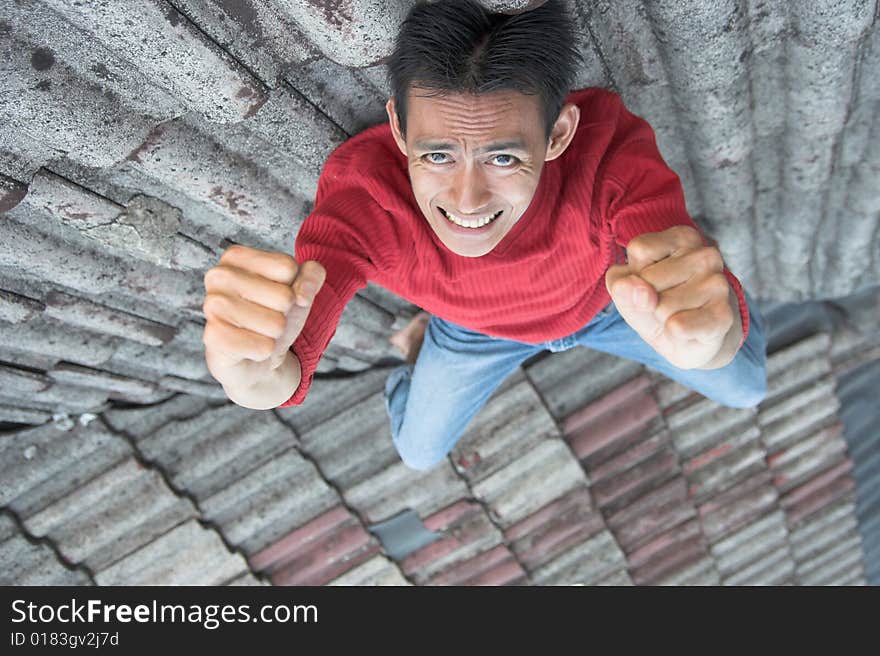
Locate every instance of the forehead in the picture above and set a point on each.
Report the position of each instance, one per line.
(507, 115)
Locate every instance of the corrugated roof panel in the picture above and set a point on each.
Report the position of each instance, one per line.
(353, 445)
(173, 54)
(587, 563)
(255, 510)
(727, 469)
(378, 570)
(814, 348)
(140, 422)
(632, 456)
(702, 572)
(569, 380)
(684, 555)
(545, 473)
(207, 453)
(798, 463)
(611, 424)
(494, 567)
(42, 465)
(704, 424)
(466, 531)
(614, 493)
(822, 527)
(567, 521)
(739, 505)
(846, 552)
(317, 552)
(186, 555)
(750, 543)
(775, 568)
(94, 523)
(818, 492)
(329, 398)
(653, 513)
(511, 423)
(398, 487)
(26, 563)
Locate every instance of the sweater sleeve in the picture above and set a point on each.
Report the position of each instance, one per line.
(639, 193)
(352, 236)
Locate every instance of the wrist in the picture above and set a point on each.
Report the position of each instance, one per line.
(267, 388)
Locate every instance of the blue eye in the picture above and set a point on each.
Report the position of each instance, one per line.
(432, 158)
(509, 160)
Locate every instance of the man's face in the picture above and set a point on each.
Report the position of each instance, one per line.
(476, 160)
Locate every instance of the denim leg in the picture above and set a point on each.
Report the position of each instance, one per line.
(740, 384)
(431, 403)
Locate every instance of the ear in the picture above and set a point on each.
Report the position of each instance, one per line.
(395, 125)
(563, 131)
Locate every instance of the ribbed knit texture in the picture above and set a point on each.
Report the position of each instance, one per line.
(543, 281)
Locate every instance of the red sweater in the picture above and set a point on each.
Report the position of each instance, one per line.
(543, 281)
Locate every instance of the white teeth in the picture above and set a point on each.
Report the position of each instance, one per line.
(478, 223)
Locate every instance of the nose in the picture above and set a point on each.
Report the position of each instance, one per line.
(470, 193)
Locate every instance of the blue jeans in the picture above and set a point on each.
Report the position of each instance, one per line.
(431, 403)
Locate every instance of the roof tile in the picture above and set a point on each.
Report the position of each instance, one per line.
(545, 473)
(186, 555)
(318, 551)
(558, 526)
(496, 566)
(511, 423)
(94, 523)
(588, 563)
(465, 531)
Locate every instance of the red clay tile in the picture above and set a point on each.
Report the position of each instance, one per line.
(684, 555)
(316, 553)
(610, 493)
(620, 396)
(637, 453)
(300, 540)
(615, 425)
(670, 492)
(324, 564)
(821, 498)
(481, 565)
(451, 514)
(724, 520)
(467, 528)
(664, 542)
(554, 528)
(812, 486)
(577, 501)
(636, 533)
(706, 457)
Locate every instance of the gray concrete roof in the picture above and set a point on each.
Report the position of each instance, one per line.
(136, 144)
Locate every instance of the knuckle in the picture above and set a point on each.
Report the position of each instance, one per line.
(231, 253)
(711, 258)
(286, 298)
(264, 347)
(677, 327)
(288, 265)
(211, 304)
(718, 283)
(277, 324)
(215, 277)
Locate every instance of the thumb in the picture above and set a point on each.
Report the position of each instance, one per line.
(629, 290)
(308, 282)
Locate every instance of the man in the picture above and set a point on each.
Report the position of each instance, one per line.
(521, 216)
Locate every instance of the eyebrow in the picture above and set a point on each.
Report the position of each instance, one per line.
(491, 148)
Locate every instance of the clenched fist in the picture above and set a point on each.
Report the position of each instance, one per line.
(673, 293)
(256, 304)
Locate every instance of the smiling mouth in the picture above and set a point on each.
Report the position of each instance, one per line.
(470, 223)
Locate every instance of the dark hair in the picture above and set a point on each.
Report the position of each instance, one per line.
(459, 46)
